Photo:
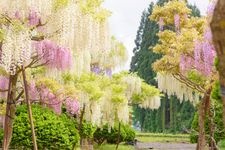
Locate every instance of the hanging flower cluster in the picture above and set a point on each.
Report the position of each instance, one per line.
(96, 69)
(177, 22)
(49, 93)
(33, 91)
(204, 55)
(33, 18)
(16, 48)
(54, 55)
(170, 85)
(72, 106)
(4, 82)
(161, 24)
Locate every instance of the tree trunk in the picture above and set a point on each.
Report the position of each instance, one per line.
(29, 110)
(143, 115)
(175, 115)
(201, 121)
(10, 112)
(86, 144)
(218, 31)
(118, 137)
(171, 115)
(163, 114)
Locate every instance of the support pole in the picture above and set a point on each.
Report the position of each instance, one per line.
(29, 109)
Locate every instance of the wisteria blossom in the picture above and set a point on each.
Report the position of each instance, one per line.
(33, 18)
(33, 91)
(53, 54)
(161, 24)
(204, 55)
(177, 22)
(4, 81)
(72, 106)
(96, 69)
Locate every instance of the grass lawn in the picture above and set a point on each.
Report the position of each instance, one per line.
(221, 145)
(160, 137)
(113, 147)
(122, 146)
(148, 137)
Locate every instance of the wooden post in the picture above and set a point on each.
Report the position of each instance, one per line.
(29, 109)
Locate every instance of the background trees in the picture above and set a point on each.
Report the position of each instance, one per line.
(158, 120)
(187, 66)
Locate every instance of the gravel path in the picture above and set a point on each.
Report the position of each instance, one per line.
(165, 146)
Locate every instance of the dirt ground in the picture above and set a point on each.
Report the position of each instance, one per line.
(165, 146)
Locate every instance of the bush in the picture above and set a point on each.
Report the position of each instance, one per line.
(1, 136)
(101, 134)
(87, 130)
(112, 136)
(127, 134)
(130, 133)
(221, 144)
(52, 131)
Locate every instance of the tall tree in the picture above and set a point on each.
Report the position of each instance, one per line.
(141, 63)
(142, 60)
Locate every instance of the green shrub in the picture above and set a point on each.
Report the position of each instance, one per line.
(87, 130)
(130, 133)
(1, 136)
(112, 137)
(127, 134)
(221, 144)
(52, 131)
(101, 134)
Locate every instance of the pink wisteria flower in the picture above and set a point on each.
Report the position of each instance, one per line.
(72, 106)
(161, 24)
(34, 18)
(177, 22)
(204, 55)
(4, 82)
(33, 92)
(56, 56)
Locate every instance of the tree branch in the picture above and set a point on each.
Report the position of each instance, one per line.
(189, 83)
(18, 97)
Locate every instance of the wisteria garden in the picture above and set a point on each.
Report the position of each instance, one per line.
(60, 88)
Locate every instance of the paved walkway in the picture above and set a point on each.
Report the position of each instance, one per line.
(165, 146)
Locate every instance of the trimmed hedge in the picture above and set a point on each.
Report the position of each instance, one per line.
(53, 132)
(127, 134)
